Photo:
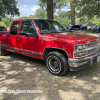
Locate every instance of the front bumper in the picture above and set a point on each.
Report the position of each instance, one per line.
(78, 64)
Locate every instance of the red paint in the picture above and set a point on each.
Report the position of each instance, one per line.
(64, 41)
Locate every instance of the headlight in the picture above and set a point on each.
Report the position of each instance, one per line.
(80, 54)
(80, 47)
(82, 50)
(78, 50)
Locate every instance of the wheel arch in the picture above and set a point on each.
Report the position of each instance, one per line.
(50, 49)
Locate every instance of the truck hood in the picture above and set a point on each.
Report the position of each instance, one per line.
(73, 37)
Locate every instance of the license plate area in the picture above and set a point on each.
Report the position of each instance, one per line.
(98, 58)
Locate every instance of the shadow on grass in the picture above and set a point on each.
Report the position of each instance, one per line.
(19, 72)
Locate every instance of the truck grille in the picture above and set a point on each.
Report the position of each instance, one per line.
(89, 49)
(92, 51)
(91, 45)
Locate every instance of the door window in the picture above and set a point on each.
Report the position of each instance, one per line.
(14, 27)
(27, 27)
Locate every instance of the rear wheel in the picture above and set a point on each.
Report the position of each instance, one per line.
(2, 51)
(57, 63)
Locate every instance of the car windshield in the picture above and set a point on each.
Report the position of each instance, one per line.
(47, 26)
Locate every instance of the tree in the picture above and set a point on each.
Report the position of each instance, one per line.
(40, 13)
(7, 20)
(23, 17)
(50, 9)
(63, 14)
(63, 21)
(32, 16)
(73, 4)
(8, 7)
(51, 6)
(2, 24)
(89, 8)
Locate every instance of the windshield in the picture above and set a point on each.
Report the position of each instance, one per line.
(47, 27)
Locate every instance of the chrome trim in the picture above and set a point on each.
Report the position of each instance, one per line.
(86, 48)
(78, 64)
(87, 43)
(86, 58)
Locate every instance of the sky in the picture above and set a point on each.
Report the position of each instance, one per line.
(27, 7)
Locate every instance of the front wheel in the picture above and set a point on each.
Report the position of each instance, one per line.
(57, 63)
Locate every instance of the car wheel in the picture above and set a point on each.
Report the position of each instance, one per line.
(57, 63)
(2, 51)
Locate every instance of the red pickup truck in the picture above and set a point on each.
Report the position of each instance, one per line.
(48, 40)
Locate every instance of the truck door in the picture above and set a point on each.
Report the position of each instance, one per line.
(12, 38)
(28, 39)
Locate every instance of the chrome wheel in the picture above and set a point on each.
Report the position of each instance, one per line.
(54, 64)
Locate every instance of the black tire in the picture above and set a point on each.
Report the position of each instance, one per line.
(2, 51)
(57, 63)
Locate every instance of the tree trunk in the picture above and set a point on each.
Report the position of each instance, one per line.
(73, 16)
(72, 4)
(50, 9)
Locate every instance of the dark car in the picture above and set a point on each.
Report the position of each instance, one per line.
(75, 27)
(94, 29)
(83, 28)
(2, 28)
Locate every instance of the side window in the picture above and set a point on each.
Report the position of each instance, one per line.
(14, 27)
(27, 27)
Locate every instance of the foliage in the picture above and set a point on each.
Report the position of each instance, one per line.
(8, 7)
(41, 13)
(63, 21)
(32, 16)
(23, 17)
(2, 24)
(7, 21)
(88, 8)
(57, 4)
(62, 14)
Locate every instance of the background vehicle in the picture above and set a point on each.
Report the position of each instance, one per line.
(48, 40)
(83, 28)
(2, 28)
(75, 27)
(95, 29)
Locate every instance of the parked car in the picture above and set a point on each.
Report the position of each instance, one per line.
(2, 28)
(48, 40)
(75, 27)
(83, 28)
(94, 29)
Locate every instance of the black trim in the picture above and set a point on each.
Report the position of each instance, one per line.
(24, 51)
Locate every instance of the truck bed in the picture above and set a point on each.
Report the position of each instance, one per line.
(2, 33)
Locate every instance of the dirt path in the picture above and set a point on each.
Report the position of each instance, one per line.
(19, 72)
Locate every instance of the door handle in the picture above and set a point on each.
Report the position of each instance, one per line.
(18, 39)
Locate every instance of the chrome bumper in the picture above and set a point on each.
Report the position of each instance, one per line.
(78, 64)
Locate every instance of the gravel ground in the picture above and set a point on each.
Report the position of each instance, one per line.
(19, 72)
